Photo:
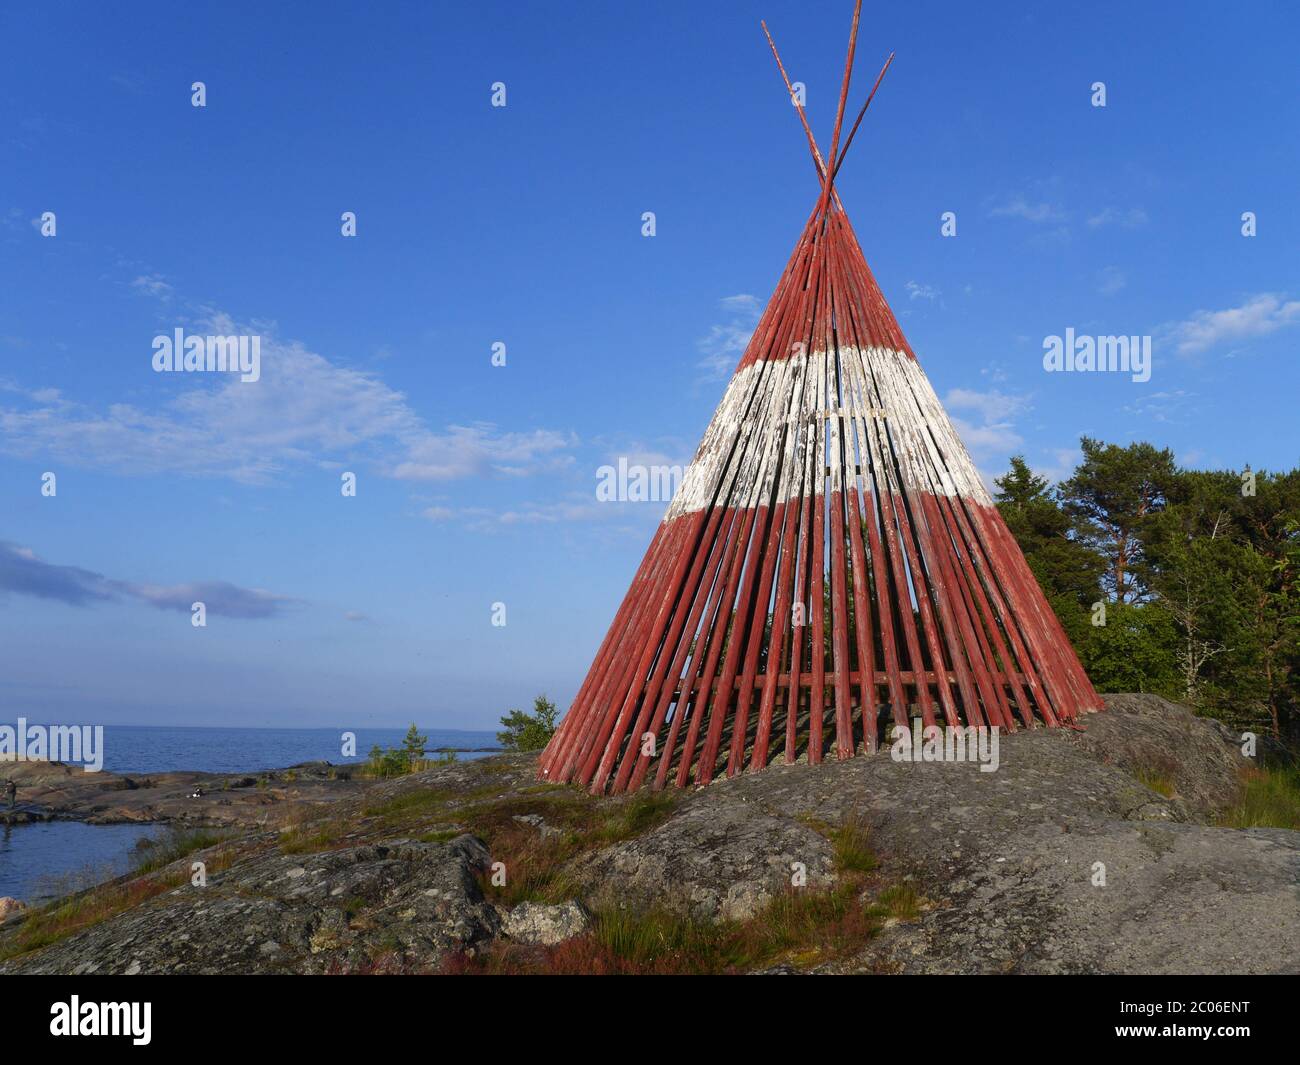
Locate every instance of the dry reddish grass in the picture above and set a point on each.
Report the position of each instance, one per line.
(802, 927)
(81, 911)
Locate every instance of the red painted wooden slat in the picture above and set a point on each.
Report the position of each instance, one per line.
(829, 458)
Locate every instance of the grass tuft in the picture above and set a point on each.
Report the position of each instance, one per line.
(635, 815)
(1159, 782)
(853, 852)
(177, 844)
(900, 901)
(1270, 798)
(312, 837)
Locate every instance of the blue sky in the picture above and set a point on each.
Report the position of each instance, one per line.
(522, 224)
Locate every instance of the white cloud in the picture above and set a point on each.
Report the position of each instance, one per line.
(152, 285)
(921, 292)
(584, 507)
(1167, 405)
(304, 412)
(990, 434)
(575, 509)
(475, 450)
(1111, 280)
(1131, 218)
(1020, 207)
(742, 303)
(992, 406)
(1060, 464)
(726, 341)
(35, 395)
(995, 372)
(990, 440)
(1259, 316)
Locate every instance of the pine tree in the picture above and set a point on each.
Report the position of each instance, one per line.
(413, 745)
(1112, 497)
(1068, 571)
(1201, 567)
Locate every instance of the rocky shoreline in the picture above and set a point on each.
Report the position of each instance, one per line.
(1085, 852)
(50, 791)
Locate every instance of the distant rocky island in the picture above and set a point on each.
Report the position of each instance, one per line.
(1097, 851)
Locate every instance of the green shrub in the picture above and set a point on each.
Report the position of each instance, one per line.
(175, 845)
(529, 732)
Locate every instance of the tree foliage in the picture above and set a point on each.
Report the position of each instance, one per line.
(1112, 499)
(398, 761)
(413, 744)
(529, 732)
(1068, 570)
(1198, 572)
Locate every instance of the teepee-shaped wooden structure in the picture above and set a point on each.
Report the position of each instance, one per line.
(831, 562)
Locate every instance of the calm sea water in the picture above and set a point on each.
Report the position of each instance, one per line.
(40, 860)
(50, 858)
(156, 749)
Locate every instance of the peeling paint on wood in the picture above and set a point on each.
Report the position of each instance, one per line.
(831, 496)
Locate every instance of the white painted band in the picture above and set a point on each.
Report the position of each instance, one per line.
(862, 409)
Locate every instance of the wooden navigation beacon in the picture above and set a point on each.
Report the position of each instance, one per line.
(831, 563)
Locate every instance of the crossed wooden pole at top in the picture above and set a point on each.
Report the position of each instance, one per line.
(827, 172)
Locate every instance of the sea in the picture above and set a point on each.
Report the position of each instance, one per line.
(43, 860)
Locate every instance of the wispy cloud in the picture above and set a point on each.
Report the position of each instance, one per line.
(1059, 464)
(13, 219)
(1167, 405)
(657, 471)
(22, 572)
(1039, 212)
(479, 449)
(742, 303)
(996, 372)
(726, 341)
(1110, 280)
(1043, 211)
(153, 285)
(1126, 218)
(306, 411)
(988, 430)
(917, 291)
(576, 508)
(1259, 316)
(992, 406)
(129, 80)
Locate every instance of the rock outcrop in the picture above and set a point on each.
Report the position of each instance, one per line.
(357, 908)
(721, 859)
(1084, 852)
(52, 790)
(538, 924)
